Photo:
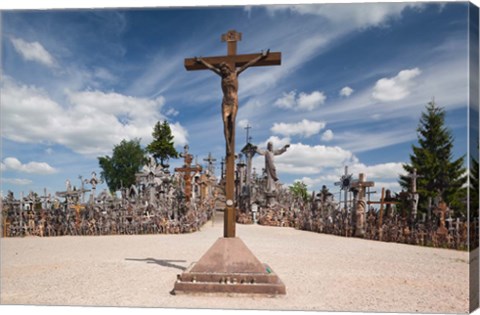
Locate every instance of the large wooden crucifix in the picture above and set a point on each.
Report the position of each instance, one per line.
(229, 68)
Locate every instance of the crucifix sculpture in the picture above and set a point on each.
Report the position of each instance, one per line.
(229, 68)
(186, 170)
(210, 161)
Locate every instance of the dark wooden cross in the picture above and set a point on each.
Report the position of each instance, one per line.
(186, 170)
(382, 202)
(361, 184)
(369, 192)
(413, 177)
(233, 60)
(210, 161)
(248, 129)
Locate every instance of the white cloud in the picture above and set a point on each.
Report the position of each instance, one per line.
(93, 122)
(33, 51)
(305, 128)
(180, 134)
(327, 135)
(395, 88)
(287, 101)
(304, 159)
(385, 170)
(11, 163)
(17, 181)
(346, 91)
(302, 101)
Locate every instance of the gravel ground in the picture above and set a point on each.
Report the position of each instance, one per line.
(321, 272)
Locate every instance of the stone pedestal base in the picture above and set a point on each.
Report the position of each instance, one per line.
(229, 267)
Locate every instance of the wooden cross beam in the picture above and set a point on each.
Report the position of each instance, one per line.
(273, 59)
(413, 176)
(361, 184)
(232, 37)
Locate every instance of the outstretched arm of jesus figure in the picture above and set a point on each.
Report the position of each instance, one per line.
(280, 151)
(206, 64)
(253, 61)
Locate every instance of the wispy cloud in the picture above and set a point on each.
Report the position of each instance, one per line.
(16, 181)
(349, 15)
(363, 141)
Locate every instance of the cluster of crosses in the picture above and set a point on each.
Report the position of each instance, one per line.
(356, 215)
(158, 199)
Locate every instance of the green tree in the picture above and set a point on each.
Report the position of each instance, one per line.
(299, 190)
(433, 160)
(119, 170)
(162, 147)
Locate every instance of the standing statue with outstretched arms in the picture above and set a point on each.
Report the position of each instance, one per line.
(269, 165)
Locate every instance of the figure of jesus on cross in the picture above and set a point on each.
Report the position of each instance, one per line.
(230, 93)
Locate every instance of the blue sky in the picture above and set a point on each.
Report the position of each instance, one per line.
(353, 81)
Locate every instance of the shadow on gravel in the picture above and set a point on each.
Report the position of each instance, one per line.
(162, 262)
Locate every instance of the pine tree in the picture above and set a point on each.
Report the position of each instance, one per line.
(120, 169)
(433, 160)
(474, 193)
(162, 147)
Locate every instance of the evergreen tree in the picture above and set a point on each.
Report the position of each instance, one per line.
(120, 169)
(433, 160)
(162, 147)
